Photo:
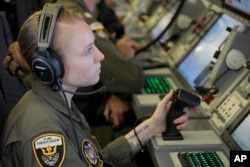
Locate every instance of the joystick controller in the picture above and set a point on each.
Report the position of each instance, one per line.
(180, 100)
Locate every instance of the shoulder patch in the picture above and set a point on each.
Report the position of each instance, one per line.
(96, 26)
(98, 29)
(88, 15)
(49, 149)
(91, 154)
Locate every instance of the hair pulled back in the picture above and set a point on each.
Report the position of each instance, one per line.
(20, 52)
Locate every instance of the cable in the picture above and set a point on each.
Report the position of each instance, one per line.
(55, 87)
(58, 87)
(213, 90)
(71, 118)
(220, 76)
(163, 31)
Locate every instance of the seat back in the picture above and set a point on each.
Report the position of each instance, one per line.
(12, 89)
(3, 113)
(24, 8)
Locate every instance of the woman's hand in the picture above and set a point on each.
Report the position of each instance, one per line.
(127, 47)
(155, 124)
(159, 117)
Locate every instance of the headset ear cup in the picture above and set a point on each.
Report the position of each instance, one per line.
(47, 66)
(56, 63)
(45, 63)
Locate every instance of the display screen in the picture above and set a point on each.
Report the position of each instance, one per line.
(195, 67)
(239, 5)
(241, 134)
(164, 22)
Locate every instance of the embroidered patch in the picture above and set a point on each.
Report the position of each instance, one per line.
(87, 15)
(49, 149)
(98, 29)
(91, 154)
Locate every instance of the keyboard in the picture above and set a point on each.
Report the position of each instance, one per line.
(200, 159)
(157, 84)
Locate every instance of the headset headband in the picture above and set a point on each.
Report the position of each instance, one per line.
(45, 63)
(47, 24)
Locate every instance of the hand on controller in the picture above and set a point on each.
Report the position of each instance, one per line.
(180, 100)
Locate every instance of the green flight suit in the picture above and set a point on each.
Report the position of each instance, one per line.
(40, 132)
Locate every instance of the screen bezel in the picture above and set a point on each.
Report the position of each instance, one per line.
(192, 48)
(197, 44)
(235, 10)
(227, 134)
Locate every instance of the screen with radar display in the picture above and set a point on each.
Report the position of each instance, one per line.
(241, 134)
(195, 67)
(237, 135)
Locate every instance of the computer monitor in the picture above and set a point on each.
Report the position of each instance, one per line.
(237, 135)
(241, 7)
(164, 22)
(196, 66)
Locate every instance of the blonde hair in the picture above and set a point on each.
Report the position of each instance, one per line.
(22, 50)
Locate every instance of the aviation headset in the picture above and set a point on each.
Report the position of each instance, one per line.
(45, 63)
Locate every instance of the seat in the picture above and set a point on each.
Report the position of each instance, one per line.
(3, 113)
(24, 8)
(12, 88)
